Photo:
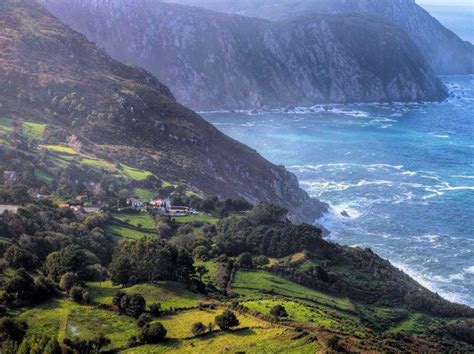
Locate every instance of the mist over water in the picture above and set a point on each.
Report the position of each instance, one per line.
(403, 172)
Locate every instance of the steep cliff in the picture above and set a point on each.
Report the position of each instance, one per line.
(213, 60)
(444, 50)
(51, 74)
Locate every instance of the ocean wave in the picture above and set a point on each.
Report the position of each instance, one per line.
(429, 282)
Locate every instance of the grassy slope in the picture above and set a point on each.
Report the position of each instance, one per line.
(146, 220)
(168, 294)
(251, 283)
(66, 319)
(179, 327)
(202, 218)
(272, 340)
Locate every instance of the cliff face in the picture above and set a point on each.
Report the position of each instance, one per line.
(212, 60)
(444, 50)
(52, 74)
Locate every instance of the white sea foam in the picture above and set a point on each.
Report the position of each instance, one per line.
(430, 284)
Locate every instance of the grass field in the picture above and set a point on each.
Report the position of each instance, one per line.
(65, 319)
(144, 219)
(143, 193)
(179, 326)
(203, 218)
(125, 232)
(168, 294)
(249, 341)
(59, 149)
(33, 130)
(251, 283)
(416, 323)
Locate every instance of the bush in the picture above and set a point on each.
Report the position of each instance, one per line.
(227, 320)
(152, 333)
(155, 309)
(143, 319)
(244, 261)
(261, 261)
(278, 311)
(68, 280)
(76, 294)
(12, 329)
(136, 305)
(198, 329)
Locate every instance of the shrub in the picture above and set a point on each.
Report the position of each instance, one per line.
(76, 293)
(68, 280)
(278, 311)
(198, 329)
(227, 320)
(244, 261)
(261, 261)
(152, 333)
(12, 329)
(155, 309)
(136, 305)
(143, 319)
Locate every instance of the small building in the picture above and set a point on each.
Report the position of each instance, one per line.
(10, 177)
(63, 206)
(160, 203)
(79, 211)
(178, 211)
(134, 203)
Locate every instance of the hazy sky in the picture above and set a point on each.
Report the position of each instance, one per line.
(446, 2)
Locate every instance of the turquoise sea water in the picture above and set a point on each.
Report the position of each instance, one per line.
(403, 172)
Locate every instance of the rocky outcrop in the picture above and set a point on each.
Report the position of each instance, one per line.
(213, 60)
(444, 50)
(52, 74)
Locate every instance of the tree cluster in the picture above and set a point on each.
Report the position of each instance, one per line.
(150, 260)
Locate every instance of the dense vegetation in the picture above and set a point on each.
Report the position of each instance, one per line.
(203, 280)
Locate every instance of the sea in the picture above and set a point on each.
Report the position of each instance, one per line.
(403, 172)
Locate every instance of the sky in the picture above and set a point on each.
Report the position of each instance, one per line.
(446, 2)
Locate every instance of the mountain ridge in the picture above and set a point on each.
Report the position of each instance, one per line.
(52, 74)
(212, 60)
(444, 50)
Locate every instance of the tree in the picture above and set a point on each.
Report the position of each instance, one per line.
(198, 329)
(152, 333)
(227, 320)
(12, 329)
(261, 261)
(200, 271)
(20, 258)
(21, 286)
(244, 261)
(68, 280)
(120, 270)
(278, 311)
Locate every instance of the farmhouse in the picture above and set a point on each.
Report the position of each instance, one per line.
(160, 203)
(134, 203)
